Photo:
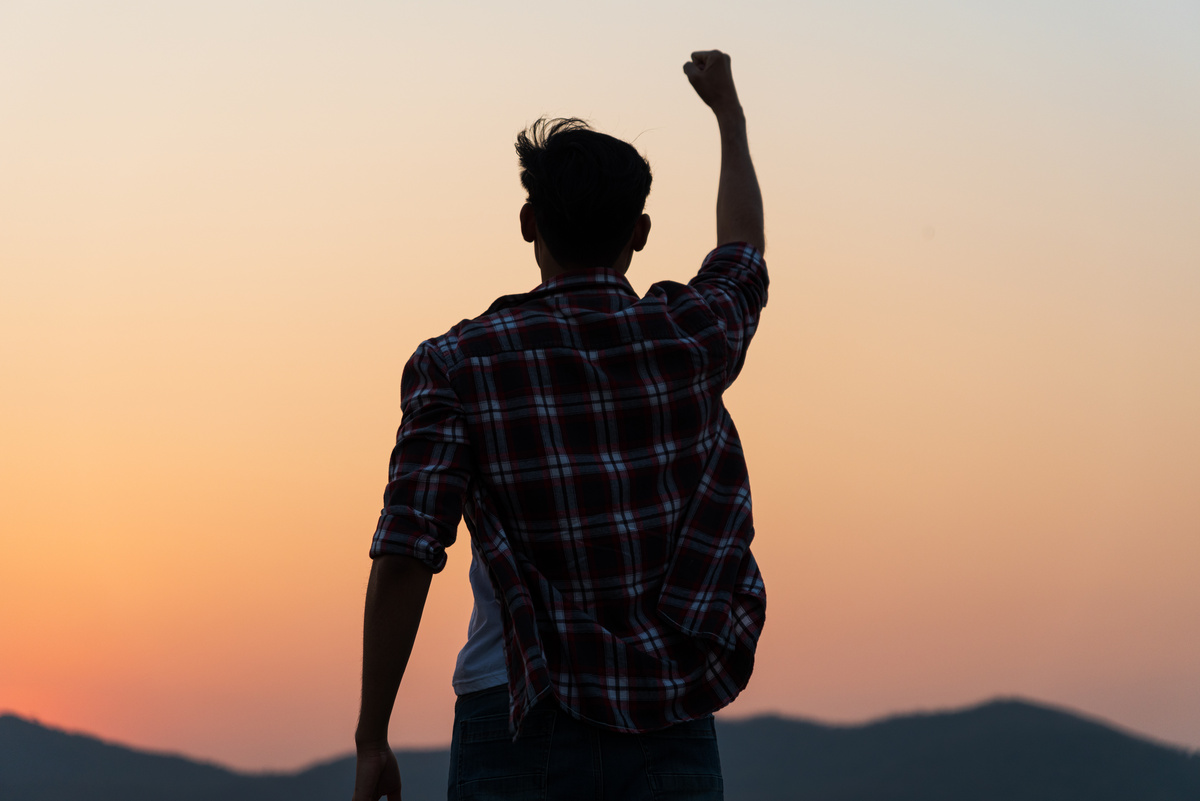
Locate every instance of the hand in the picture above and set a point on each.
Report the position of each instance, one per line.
(376, 774)
(711, 77)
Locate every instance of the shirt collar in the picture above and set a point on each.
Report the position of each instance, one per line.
(596, 280)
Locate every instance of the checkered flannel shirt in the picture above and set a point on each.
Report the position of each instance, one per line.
(581, 432)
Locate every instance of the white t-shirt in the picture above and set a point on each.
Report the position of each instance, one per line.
(481, 661)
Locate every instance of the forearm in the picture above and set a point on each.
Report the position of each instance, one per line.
(396, 594)
(739, 199)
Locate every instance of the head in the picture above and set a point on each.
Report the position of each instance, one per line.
(586, 191)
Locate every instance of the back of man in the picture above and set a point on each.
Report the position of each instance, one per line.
(580, 431)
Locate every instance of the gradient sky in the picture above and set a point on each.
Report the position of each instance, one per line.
(972, 412)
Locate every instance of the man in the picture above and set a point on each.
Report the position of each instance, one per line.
(580, 432)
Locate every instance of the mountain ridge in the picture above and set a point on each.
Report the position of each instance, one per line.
(1006, 748)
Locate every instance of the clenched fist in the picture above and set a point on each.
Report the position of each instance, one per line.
(711, 77)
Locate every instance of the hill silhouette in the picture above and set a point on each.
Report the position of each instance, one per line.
(1000, 751)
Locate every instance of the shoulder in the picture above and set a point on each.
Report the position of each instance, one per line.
(494, 330)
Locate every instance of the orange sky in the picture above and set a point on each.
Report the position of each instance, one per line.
(970, 414)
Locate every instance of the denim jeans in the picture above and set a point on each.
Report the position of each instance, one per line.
(558, 757)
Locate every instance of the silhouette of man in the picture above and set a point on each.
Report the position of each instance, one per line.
(580, 432)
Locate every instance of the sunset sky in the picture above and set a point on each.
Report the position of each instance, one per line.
(971, 414)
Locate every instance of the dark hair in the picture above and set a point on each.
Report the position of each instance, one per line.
(587, 189)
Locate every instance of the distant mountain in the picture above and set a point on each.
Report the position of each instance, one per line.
(38, 763)
(1001, 751)
(995, 752)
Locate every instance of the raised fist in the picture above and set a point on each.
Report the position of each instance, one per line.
(711, 77)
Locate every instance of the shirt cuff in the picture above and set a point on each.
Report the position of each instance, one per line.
(400, 534)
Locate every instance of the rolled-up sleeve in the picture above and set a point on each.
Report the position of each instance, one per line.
(733, 282)
(429, 469)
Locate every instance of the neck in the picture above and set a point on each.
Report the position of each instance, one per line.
(551, 268)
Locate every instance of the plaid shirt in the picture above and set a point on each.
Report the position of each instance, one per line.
(581, 432)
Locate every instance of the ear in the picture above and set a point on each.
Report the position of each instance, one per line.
(528, 223)
(641, 232)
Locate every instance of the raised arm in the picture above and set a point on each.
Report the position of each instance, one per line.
(739, 200)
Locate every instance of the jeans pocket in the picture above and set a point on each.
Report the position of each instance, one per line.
(490, 765)
(683, 762)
